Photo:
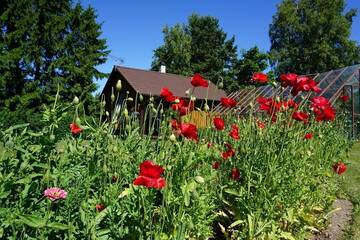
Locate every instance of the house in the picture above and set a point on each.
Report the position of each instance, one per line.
(149, 84)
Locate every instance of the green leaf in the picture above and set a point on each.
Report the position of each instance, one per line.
(287, 235)
(59, 226)
(33, 221)
(234, 224)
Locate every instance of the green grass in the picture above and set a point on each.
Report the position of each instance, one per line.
(351, 185)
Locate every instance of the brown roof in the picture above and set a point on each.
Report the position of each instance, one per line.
(151, 83)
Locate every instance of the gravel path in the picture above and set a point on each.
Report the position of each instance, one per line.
(339, 220)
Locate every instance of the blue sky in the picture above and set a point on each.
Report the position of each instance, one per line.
(133, 28)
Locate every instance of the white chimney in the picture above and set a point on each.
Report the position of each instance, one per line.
(162, 69)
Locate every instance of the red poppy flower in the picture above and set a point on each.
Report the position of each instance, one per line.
(235, 174)
(99, 207)
(308, 136)
(230, 152)
(216, 165)
(228, 102)
(182, 107)
(189, 131)
(198, 81)
(300, 116)
(320, 102)
(288, 79)
(209, 145)
(219, 123)
(150, 175)
(234, 133)
(270, 105)
(75, 129)
(167, 95)
(304, 84)
(345, 98)
(292, 104)
(339, 168)
(260, 77)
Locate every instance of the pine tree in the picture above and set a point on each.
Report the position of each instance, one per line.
(45, 44)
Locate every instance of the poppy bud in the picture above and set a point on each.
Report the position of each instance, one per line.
(78, 121)
(221, 85)
(206, 107)
(127, 92)
(151, 99)
(154, 110)
(118, 85)
(172, 137)
(52, 137)
(107, 113)
(277, 98)
(161, 111)
(76, 100)
(126, 113)
(199, 179)
(130, 99)
(251, 104)
(177, 100)
(274, 84)
(187, 92)
(141, 98)
(103, 103)
(193, 98)
(112, 98)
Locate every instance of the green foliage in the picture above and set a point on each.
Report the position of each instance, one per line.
(43, 45)
(201, 46)
(285, 189)
(252, 60)
(309, 36)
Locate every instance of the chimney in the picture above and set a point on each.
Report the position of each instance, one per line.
(162, 68)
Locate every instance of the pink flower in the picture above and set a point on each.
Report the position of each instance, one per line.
(55, 193)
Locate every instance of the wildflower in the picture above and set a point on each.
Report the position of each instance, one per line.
(300, 116)
(198, 81)
(228, 102)
(345, 98)
(339, 168)
(150, 175)
(75, 129)
(215, 165)
(234, 133)
(288, 79)
(219, 123)
(189, 131)
(55, 193)
(230, 152)
(308, 136)
(322, 109)
(235, 174)
(99, 207)
(260, 77)
(305, 84)
(167, 95)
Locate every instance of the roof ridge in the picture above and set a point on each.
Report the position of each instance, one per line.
(138, 69)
